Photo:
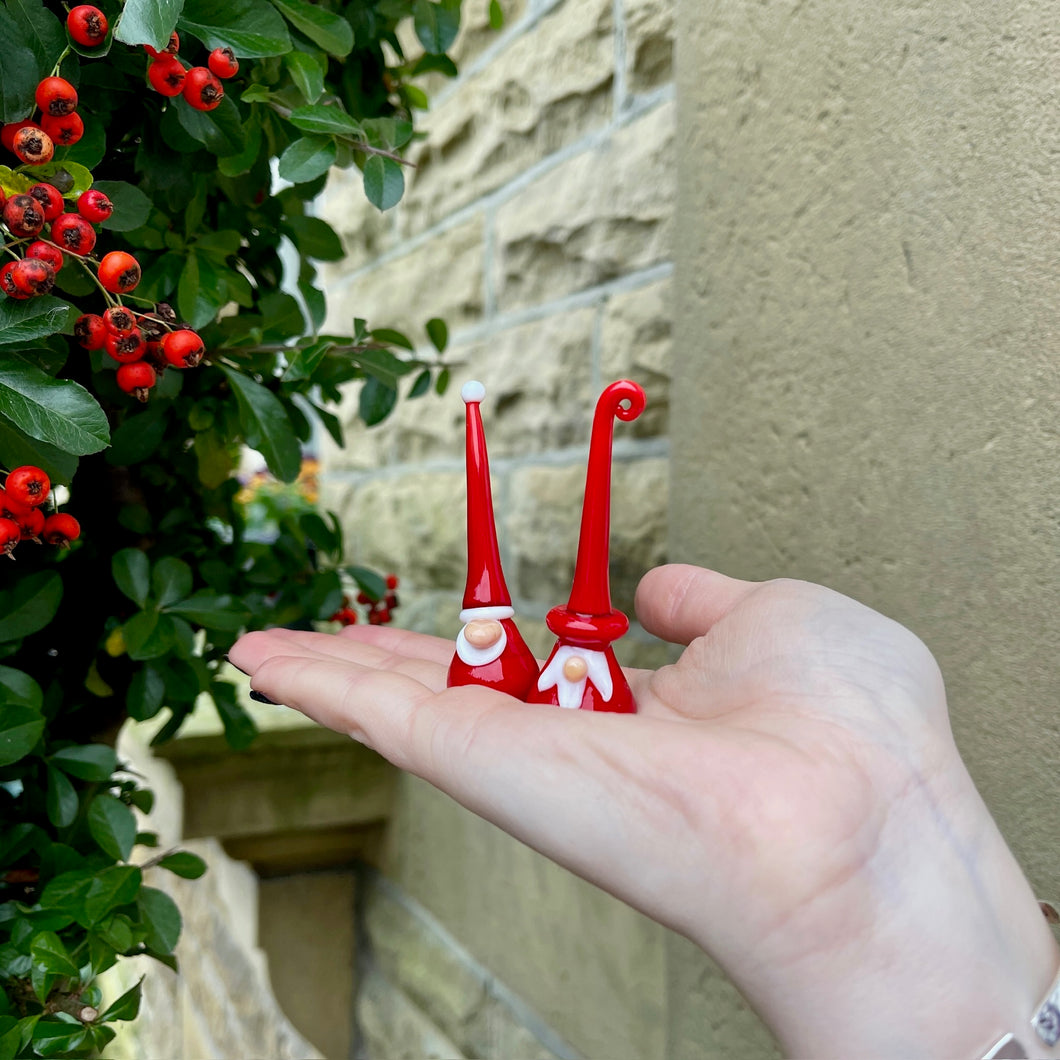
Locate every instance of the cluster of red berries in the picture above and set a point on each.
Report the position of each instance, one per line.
(21, 516)
(199, 85)
(59, 124)
(45, 230)
(378, 610)
(143, 344)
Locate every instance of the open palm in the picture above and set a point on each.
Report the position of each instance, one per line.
(778, 797)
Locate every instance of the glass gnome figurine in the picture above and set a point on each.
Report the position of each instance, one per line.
(582, 671)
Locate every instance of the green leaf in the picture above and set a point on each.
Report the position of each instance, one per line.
(58, 1037)
(126, 1007)
(112, 825)
(256, 93)
(90, 761)
(220, 130)
(325, 28)
(421, 384)
(148, 22)
(138, 437)
(61, 800)
(19, 689)
(384, 182)
(240, 729)
(66, 893)
(213, 611)
(47, 950)
(307, 158)
(266, 426)
(20, 322)
(184, 864)
(132, 574)
(238, 164)
(112, 888)
(44, 32)
(436, 24)
(441, 384)
(303, 360)
(376, 401)
(147, 691)
(132, 207)
(57, 411)
(496, 15)
(253, 29)
(315, 238)
(82, 177)
(321, 118)
(20, 729)
(148, 635)
(438, 333)
(29, 605)
(171, 580)
(306, 73)
(161, 919)
(17, 449)
(19, 71)
(368, 581)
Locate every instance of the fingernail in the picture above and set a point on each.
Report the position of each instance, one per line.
(260, 697)
(232, 664)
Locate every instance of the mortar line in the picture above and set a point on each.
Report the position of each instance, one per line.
(624, 451)
(588, 142)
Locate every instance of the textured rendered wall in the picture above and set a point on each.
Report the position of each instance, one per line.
(538, 223)
(867, 343)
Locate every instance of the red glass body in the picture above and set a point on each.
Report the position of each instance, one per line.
(514, 671)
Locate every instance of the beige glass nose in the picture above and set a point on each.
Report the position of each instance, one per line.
(482, 632)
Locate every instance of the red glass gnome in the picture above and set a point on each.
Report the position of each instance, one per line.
(489, 649)
(582, 671)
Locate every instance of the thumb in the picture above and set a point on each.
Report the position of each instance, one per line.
(679, 602)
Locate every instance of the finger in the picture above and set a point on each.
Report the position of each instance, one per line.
(403, 642)
(679, 602)
(250, 651)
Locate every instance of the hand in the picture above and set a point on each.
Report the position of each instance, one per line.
(788, 796)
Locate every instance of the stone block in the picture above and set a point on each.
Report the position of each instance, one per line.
(545, 90)
(602, 214)
(366, 232)
(413, 524)
(441, 277)
(538, 394)
(649, 44)
(393, 1028)
(636, 339)
(543, 523)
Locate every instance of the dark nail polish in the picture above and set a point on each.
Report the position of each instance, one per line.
(260, 697)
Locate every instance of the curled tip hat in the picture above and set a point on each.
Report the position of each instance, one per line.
(485, 585)
(588, 616)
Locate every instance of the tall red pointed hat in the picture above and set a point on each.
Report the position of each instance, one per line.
(589, 617)
(485, 585)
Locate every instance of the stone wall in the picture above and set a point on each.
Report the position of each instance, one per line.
(537, 223)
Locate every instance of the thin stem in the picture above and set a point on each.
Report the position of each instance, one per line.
(357, 145)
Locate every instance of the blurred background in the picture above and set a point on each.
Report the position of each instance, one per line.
(824, 238)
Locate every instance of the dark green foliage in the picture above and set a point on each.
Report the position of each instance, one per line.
(173, 561)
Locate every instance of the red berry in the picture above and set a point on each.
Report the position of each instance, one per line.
(182, 349)
(56, 96)
(392, 581)
(90, 331)
(34, 146)
(7, 282)
(202, 89)
(7, 133)
(119, 272)
(31, 524)
(137, 379)
(51, 202)
(126, 347)
(87, 25)
(64, 130)
(60, 529)
(222, 62)
(73, 234)
(346, 615)
(10, 535)
(33, 276)
(46, 252)
(119, 320)
(11, 508)
(28, 485)
(166, 74)
(170, 49)
(23, 215)
(94, 206)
